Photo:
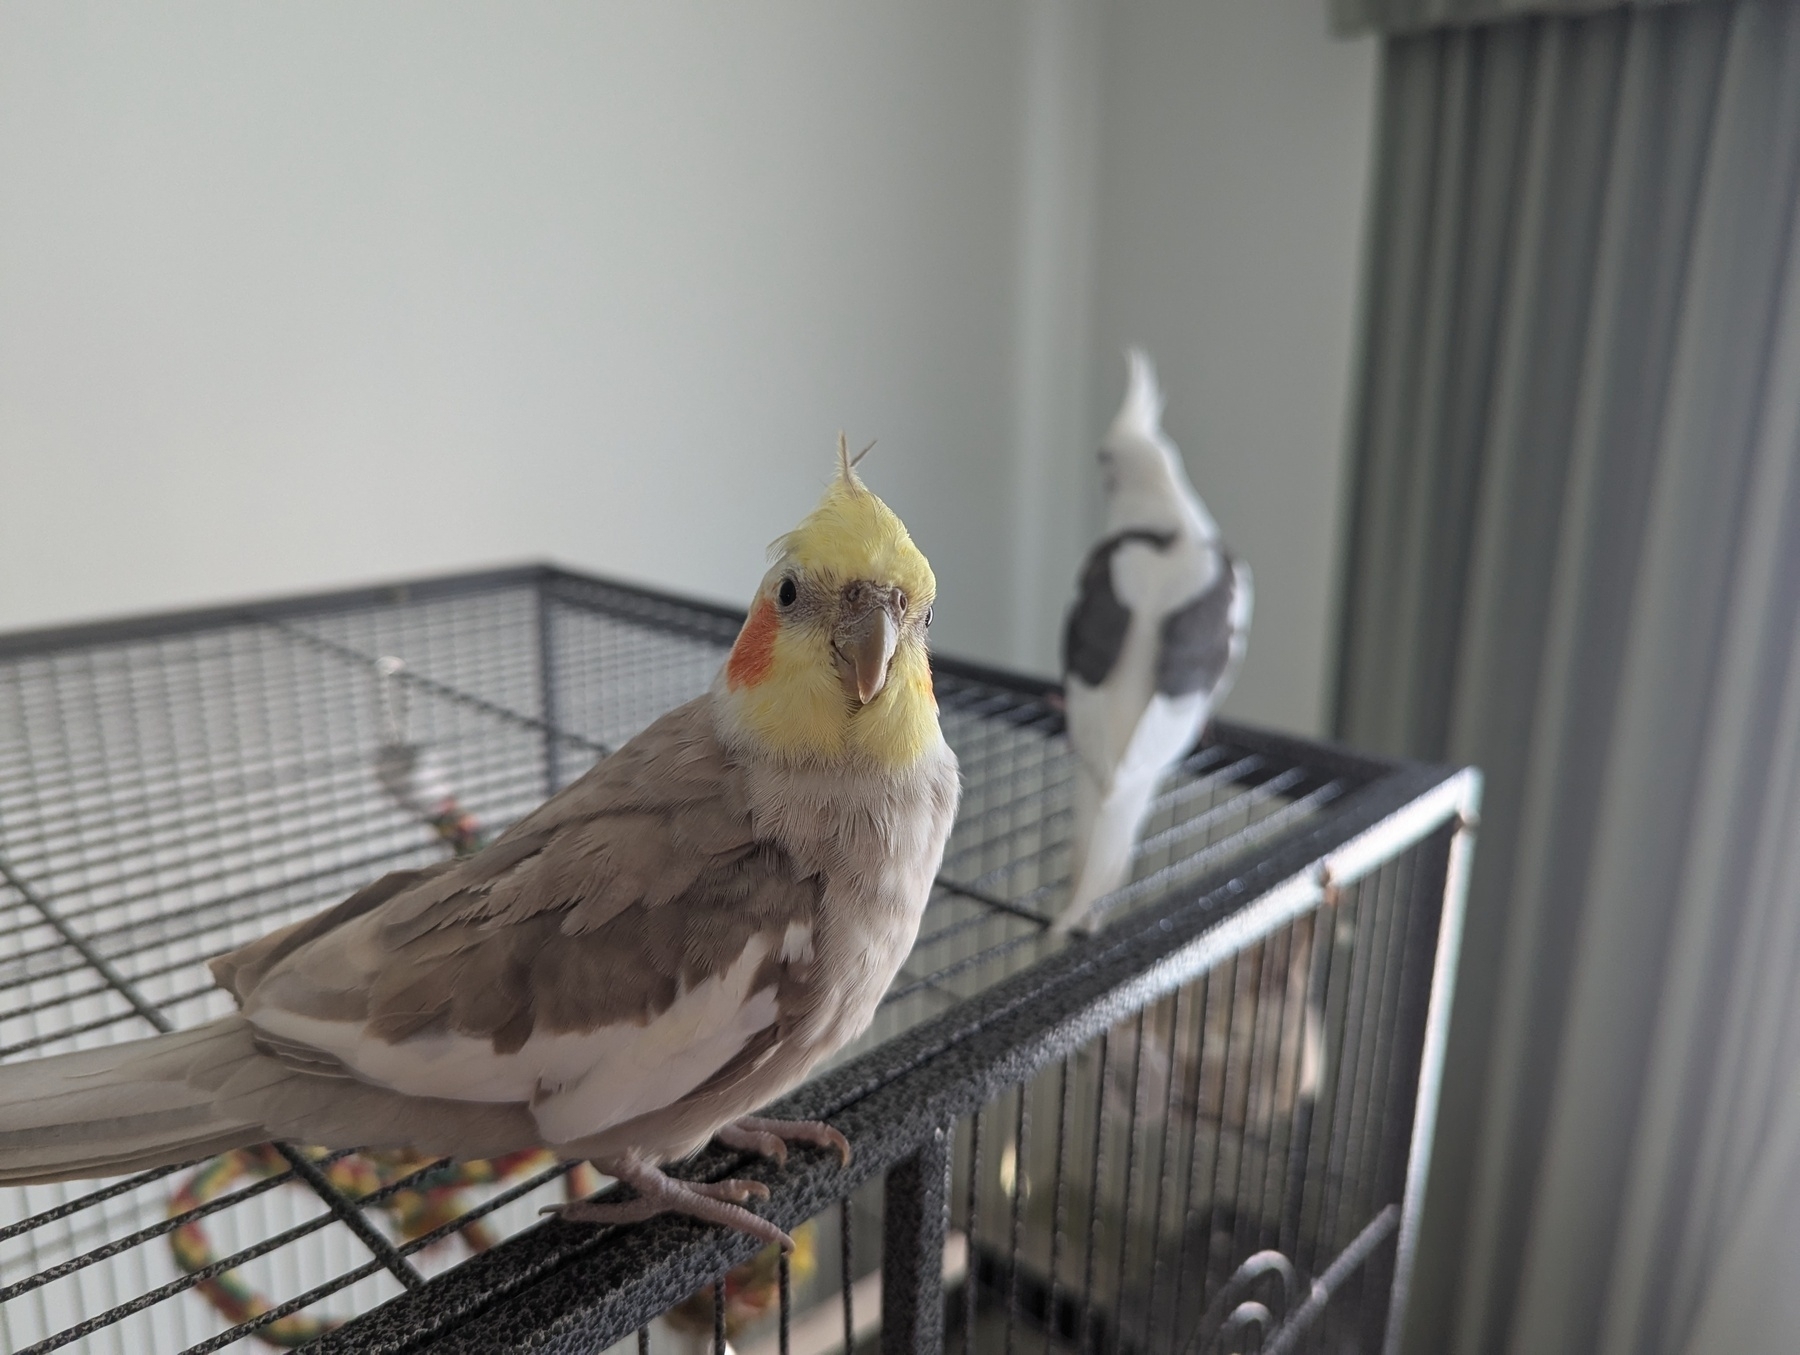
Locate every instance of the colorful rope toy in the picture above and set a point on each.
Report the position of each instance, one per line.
(412, 776)
(418, 784)
(421, 1208)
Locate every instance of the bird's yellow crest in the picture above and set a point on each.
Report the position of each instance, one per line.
(781, 684)
(854, 535)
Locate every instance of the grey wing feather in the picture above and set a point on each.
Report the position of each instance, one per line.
(1198, 638)
(239, 971)
(1094, 634)
(635, 884)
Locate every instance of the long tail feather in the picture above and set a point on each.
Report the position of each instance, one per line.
(126, 1107)
(1106, 829)
(192, 1094)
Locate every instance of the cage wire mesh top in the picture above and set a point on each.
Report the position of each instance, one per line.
(172, 789)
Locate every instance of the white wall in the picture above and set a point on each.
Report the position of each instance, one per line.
(300, 295)
(1234, 169)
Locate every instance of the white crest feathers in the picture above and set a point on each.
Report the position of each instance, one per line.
(1142, 410)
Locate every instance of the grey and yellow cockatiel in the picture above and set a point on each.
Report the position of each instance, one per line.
(1151, 645)
(663, 947)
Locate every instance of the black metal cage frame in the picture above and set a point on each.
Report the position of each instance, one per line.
(1284, 839)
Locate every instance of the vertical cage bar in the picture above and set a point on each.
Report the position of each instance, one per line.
(1330, 982)
(1126, 1212)
(1295, 1027)
(1021, 1146)
(1431, 1059)
(847, 1259)
(1344, 1092)
(1320, 924)
(915, 1218)
(1059, 1207)
(1381, 1128)
(1165, 1162)
(1084, 1328)
(971, 1273)
(785, 1335)
(1217, 1201)
(1423, 901)
(546, 655)
(1191, 1118)
(1261, 1086)
(1382, 905)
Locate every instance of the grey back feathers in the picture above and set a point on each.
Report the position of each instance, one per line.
(1194, 646)
(601, 907)
(1196, 639)
(1094, 634)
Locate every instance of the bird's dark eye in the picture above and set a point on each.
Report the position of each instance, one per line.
(786, 594)
(928, 616)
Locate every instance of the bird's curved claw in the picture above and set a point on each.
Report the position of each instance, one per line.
(770, 1138)
(733, 1189)
(720, 1202)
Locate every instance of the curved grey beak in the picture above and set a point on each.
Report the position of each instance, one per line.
(865, 646)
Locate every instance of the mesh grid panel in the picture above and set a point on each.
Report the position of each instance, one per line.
(1112, 1200)
(165, 798)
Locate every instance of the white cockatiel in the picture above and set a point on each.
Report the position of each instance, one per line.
(669, 943)
(1151, 644)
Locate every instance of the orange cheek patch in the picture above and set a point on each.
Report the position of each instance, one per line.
(754, 651)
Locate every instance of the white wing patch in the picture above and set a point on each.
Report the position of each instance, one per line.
(578, 1082)
(639, 1069)
(796, 943)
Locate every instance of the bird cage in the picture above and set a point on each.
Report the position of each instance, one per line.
(1202, 1129)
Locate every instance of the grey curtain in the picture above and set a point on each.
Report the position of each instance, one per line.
(1574, 559)
(1402, 16)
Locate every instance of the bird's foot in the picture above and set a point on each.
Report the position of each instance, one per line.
(770, 1138)
(733, 1190)
(720, 1202)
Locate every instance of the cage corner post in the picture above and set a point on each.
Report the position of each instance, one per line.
(1458, 849)
(915, 1221)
